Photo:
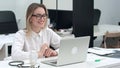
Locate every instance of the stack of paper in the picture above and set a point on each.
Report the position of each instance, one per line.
(100, 51)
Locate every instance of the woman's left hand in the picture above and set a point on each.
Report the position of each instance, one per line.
(49, 53)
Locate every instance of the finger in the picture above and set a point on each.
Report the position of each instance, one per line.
(45, 45)
(41, 53)
(54, 53)
(48, 52)
(42, 50)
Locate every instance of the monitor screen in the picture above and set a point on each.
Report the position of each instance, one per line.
(62, 19)
(52, 16)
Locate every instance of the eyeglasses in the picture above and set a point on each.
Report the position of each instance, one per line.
(39, 16)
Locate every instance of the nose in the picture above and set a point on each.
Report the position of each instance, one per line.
(42, 19)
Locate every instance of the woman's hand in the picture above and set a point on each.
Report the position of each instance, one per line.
(46, 51)
(49, 53)
(42, 50)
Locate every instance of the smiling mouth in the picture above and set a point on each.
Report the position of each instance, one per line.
(41, 23)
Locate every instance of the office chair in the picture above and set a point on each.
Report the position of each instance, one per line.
(8, 22)
(111, 40)
(96, 18)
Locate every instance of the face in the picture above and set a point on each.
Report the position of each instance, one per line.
(38, 19)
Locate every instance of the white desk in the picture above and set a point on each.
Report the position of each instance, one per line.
(90, 63)
(5, 41)
(100, 30)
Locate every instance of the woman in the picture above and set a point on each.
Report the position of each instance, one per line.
(36, 37)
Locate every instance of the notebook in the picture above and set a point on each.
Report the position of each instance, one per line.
(71, 51)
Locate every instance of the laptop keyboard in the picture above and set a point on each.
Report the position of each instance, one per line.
(54, 62)
(51, 61)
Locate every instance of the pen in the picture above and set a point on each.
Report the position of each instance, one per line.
(98, 60)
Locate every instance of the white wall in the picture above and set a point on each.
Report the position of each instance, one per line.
(19, 7)
(110, 11)
(7, 5)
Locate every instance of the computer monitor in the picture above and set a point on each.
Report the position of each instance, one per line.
(61, 19)
(65, 19)
(52, 16)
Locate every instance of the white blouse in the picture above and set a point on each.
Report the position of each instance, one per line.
(22, 46)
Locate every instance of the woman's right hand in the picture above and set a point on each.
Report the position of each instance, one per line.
(42, 50)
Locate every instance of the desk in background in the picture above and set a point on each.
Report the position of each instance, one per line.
(100, 30)
(5, 42)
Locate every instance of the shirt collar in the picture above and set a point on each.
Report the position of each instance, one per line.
(34, 34)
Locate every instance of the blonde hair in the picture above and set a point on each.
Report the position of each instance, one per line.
(32, 7)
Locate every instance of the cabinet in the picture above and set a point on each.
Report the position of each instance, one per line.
(50, 4)
(59, 4)
(65, 4)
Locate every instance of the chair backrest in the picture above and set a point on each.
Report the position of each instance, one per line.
(111, 40)
(96, 17)
(8, 22)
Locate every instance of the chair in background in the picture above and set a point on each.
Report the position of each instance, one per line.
(96, 18)
(8, 22)
(111, 40)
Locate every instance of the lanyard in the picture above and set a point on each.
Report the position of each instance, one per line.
(16, 63)
(20, 64)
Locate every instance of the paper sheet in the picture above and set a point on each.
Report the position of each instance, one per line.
(100, 51)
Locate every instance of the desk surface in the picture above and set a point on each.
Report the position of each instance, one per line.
(100, 30)
(90, 63)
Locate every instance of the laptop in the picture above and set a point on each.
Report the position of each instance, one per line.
(72, 50)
